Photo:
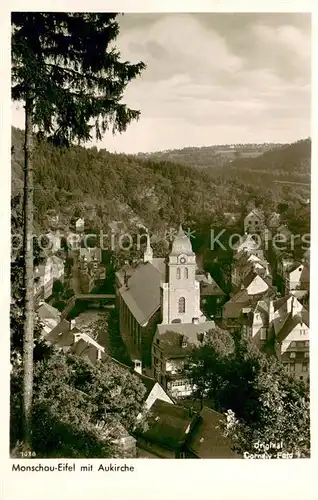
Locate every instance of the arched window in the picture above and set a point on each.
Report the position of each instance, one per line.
(181, 305)
(178, 273)
(186, 273)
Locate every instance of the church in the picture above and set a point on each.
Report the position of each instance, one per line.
(159, 298)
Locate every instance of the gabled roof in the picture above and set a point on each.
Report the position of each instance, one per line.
(290, 323)
(148, 382)
(206, 439)
(168, 425)
(171, 335)
(257, 213)
(46, 311)
(142, 296)
(249, 278)
(294, 266)
(208, 286)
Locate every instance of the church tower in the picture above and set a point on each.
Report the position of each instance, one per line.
(148, 254)
(181, 291)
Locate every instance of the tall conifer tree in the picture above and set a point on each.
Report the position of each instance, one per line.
(69, 75)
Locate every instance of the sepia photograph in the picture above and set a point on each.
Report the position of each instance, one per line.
(160, 236)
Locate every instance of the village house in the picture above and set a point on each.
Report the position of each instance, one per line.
(91, 254)
(154, 390)
(238, 311)
(53, 219)
(172, 344)
(273, 222)
(286, 322)
(210, 293)
(168, 427)
(250, 243)
(54, 238)
(49, 317)
(158, 291)
(245, 263)
(206, 439)
(292, 333)
(73, 242)
(79, 225)
(254, 222)
(293, 275)
(43, 277)
(297, 277)
(57, 268)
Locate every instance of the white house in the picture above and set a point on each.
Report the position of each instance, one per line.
(297, 277)
(254, 222)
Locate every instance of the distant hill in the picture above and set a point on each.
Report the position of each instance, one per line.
(211, 156)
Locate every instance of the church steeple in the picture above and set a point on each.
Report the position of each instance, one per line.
(148, 255)
(181, 291)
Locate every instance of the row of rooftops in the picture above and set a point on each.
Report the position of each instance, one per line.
(169, 425)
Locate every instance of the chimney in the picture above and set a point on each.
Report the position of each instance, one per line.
(138, 366)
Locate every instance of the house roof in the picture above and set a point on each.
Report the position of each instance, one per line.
(290, 323)
(233, 308)
(246, 242)
(60, 332)
(257, 213)
(46, 311)
(142, 296)
(148, 382)
(167, 424)
(206, 439)
(171, 336)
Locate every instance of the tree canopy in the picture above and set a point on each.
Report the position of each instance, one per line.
(264, 403)
(79, 409)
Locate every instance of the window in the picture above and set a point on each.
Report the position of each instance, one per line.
(292, 367)
(292, 344)
(305, 367)
(158, 341)
(178, 273)
(181, 305)
(306, 354)
(292, 355)
(186, 273)
(263, 333)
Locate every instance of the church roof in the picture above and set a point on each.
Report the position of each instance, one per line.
(143, 293)
(181, 244)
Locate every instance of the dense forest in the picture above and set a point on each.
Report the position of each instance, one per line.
(95, 183)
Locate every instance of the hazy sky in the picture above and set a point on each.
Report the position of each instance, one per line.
(214, 79)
